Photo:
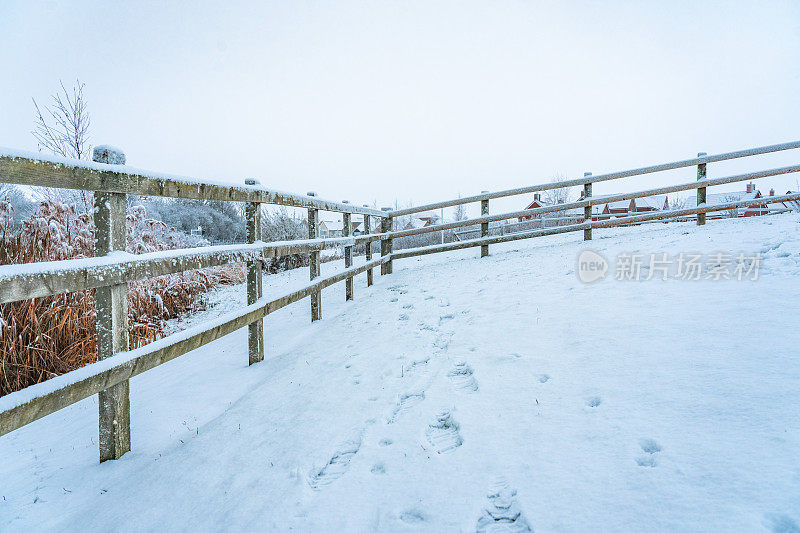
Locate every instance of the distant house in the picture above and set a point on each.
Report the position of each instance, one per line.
(422, 220)
(329, 228)
(334, 228)
(794, 205)
(718, 198)
(602, 211)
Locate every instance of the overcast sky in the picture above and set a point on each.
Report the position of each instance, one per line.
(413, 101)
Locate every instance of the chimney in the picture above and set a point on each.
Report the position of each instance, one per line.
(750, 187)
(537, 196)
(772, 192)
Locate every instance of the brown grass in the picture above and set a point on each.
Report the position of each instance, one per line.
(44, 337)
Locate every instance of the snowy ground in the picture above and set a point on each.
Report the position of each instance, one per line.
(614, 406)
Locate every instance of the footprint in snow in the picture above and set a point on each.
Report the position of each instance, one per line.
(337, 465)
(463, 377)
(594, 401)
(544, 378)
(502, 512)
(404, 403)
(419, 363)
(413, 516)
(443, 435)
(650, 447)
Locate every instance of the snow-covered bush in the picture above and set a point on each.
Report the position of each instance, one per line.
(44, 337)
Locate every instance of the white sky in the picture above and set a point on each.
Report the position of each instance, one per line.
(414, 101)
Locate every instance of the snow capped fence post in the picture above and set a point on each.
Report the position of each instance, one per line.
(313, 263)
(386, 243)
(587, 211)
(255, 330)
(701, 191)
(484, 225)
(348, 253)
(112, 314)
(367, 231)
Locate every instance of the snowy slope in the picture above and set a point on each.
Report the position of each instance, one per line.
(458, 391)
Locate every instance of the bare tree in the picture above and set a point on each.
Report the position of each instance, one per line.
(679, 202)
(63, 129)
(459, 212)
(557, 196)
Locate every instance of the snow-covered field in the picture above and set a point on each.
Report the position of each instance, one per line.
(450, 385)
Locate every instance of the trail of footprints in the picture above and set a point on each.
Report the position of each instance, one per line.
(442, 435)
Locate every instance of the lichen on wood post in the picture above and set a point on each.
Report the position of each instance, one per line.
(701, 192)
(484, 225)
(386, 243)
(587, 211)
(367, 231)
(347, 228)
(313, 263)
(255, 333)
(112, 314)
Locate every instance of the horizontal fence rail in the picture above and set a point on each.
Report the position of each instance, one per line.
(621, 221)
(597, 200)
(34, 280)
(600, 177)
(23, 168)
(23, 407)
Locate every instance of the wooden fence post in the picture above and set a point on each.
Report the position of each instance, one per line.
(347, 229)
(701, 191)
(587, 211)
(112, 314)
(386, 243)
(313, 263)
(255, 334)
(484, 225)
(367, 231)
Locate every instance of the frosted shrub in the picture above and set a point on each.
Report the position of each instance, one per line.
(44, 337)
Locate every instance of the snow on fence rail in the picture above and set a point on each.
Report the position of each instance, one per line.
(112, 269)
(587, 201)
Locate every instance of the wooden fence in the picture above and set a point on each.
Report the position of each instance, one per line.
(112, 268)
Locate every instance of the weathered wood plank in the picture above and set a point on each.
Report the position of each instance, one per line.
(484, 226)
(34, 280)
(313, 265)
(347, 228)
(386, 245)
(255, 333)
(701, 191)
(111, 302)
(367, 230)
(587, 211)
(40, 170)
(459, 245)
(600, 177)
(599, 200)
(32, 403)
